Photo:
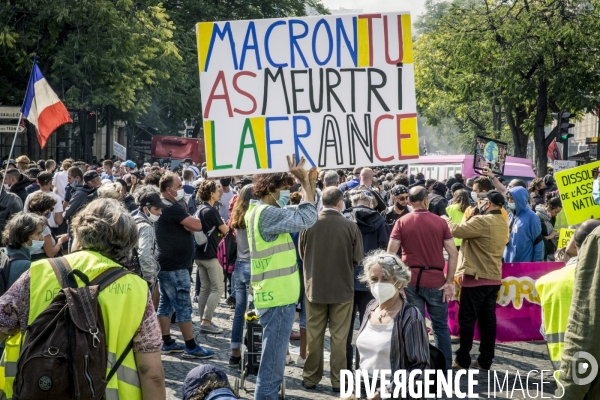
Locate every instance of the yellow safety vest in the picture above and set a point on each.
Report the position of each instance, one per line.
(556, 292)
(274, 272)
(123, 305)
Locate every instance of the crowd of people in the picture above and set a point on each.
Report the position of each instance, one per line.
(376, 249)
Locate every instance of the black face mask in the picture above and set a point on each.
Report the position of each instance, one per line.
(400, 206)
(543, 192)
(225, 182)
(320, 185)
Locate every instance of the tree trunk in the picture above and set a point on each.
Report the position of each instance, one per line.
(539, 135)
(520, 138)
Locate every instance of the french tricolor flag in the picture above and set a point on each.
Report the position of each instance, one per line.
(42, 107)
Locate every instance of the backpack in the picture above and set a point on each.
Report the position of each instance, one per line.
(65, 352)
(5, 269)
(227, 252)
(200, 237)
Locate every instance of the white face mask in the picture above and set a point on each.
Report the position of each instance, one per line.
(512, 206)
(153, 218)
(475, 197)
(180, 194)
(383, 291)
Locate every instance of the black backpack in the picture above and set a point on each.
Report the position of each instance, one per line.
(5, 270)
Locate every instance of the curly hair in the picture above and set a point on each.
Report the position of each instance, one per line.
(534, 185)
(206, 189)
(211, 382)
(41, 202)
(390, 264)
(153, 178)
(20, 227)
(105, 226)
(269, 183)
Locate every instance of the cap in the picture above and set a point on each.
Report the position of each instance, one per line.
(495, 197)
(9, 162)
(456, 186)
(243, 182)
(195, 379)
(138, 174)
(90, 175)
(33, 171)
(129, 164)
(398, 190)
(188, 160)
(357, 170)
(151, 200)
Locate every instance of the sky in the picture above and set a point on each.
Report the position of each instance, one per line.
(416, 7)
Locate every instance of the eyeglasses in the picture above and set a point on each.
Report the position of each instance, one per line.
(388, 260)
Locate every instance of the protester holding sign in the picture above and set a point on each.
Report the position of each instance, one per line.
(274, 272)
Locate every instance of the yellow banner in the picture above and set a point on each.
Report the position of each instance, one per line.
(575, 187)
(564, 237)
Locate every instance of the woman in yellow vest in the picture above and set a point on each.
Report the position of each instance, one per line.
(274, 273)
(106, 234)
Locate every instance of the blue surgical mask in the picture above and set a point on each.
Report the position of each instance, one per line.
(284, 198)
(35, 246)
(512, 206)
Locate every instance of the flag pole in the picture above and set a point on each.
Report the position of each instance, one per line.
(12, 147)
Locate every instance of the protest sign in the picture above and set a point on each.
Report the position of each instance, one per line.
(518, 309)
(561, 165)
(490, 153)
(575, 188)
(119, 151)
(338, 90)
(564, 236)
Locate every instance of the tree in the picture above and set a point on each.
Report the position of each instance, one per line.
(95, 53)
(524, 58)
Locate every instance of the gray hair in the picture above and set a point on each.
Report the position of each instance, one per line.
(331, 178)
(360, 196)
(393, 268)
(332, 196)
(109, 190)
(389, 177)
(105, 226)
(144, 190)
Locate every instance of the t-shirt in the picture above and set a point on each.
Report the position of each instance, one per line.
(210, 218)
(422, 235)
(174, 244)
(225, 199)
(58, 207)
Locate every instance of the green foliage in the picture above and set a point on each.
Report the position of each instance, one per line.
(501, 67)
(138, 57)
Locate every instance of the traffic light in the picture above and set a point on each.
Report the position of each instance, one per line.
(91, 123)
(563, 123)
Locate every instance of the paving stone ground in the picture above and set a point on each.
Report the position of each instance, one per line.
(511, 358)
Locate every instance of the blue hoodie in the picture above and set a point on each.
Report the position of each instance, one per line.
(525, 230)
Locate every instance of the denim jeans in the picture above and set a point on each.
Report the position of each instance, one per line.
(242, 288)
(438, 313)
(174, 290)
(277, 326)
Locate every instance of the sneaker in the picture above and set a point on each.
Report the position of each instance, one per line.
(235, 361)
(198, 352)
(300, 362)
(172, 348)
(288, 359)
(212, 328)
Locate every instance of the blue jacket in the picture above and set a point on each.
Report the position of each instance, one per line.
(525, 229)
(17, 267)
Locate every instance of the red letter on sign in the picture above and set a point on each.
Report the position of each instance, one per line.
(244, 93)
(375, 132)
(225, 96)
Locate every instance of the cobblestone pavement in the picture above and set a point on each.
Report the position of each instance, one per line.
(512, 358)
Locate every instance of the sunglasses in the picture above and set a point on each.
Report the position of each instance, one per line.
(388, 260)
(402, 198)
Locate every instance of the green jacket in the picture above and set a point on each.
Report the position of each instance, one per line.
(583, 328)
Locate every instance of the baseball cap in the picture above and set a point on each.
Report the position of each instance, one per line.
(90, 175)
(151, 200)
(138, 174)
(129, 164)
(196, 378)
(33, 171)
(188, 160)
(495, 197)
